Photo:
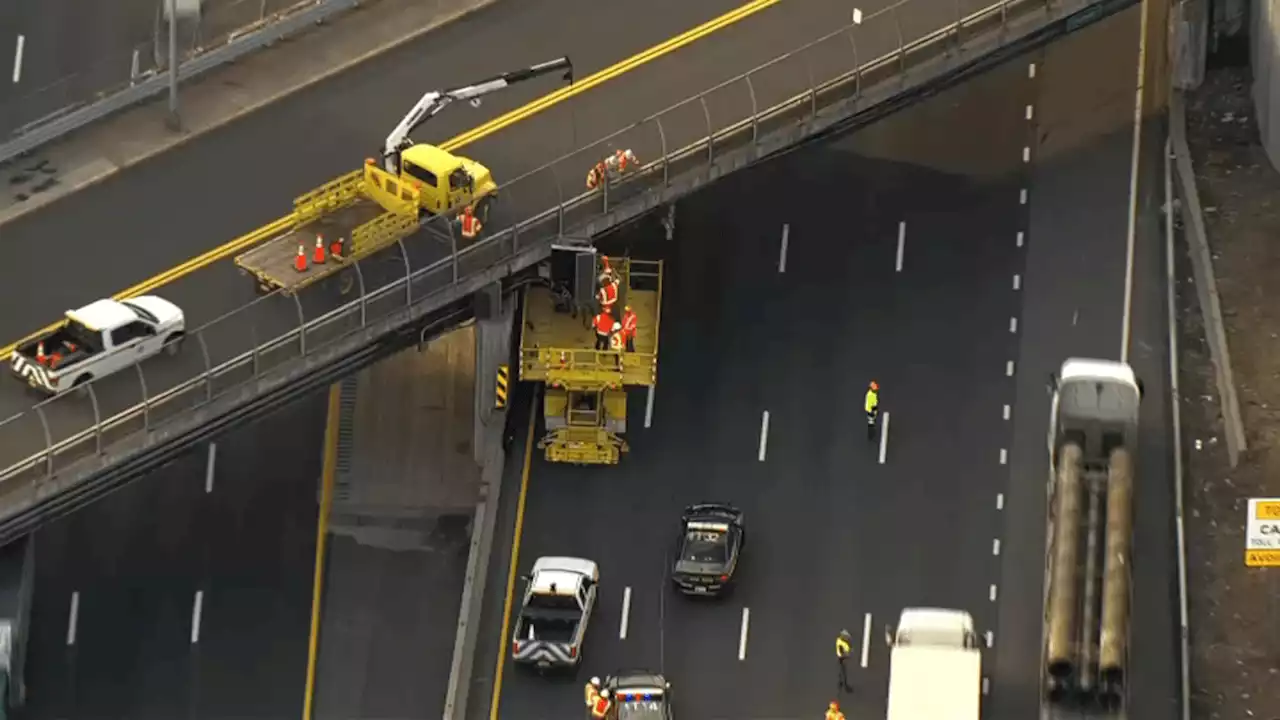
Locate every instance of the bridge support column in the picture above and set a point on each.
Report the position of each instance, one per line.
(669, 221)
(494, 315)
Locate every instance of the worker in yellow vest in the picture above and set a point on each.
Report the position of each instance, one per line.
(592, 692)
(833, 711)
(844, 644)
(872, 405)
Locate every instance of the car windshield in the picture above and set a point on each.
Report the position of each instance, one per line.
(705, 546)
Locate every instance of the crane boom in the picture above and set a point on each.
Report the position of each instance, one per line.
(436, 100)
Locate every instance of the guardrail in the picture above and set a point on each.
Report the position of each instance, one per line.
(681, 148)
(223, 33)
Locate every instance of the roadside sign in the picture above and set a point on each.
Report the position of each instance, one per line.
(1262, 533)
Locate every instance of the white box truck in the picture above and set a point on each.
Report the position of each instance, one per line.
(935, 666)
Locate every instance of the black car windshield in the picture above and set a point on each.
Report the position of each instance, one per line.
(706, 546)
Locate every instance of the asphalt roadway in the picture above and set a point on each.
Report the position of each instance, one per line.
(961, 340)
(222, 185)
(132, 564)
(837, 539)
(71, 49)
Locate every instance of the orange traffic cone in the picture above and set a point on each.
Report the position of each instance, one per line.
(41, 358)
(300, 262)
(318, 256)
(335, 249)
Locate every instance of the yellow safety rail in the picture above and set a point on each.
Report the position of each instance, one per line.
(328, 197)
(587, 369)
(389, 191)
(380, 232)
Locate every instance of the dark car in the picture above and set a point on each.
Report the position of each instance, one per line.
(639, 695)
(707, 552)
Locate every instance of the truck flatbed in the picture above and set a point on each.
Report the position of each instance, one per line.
(368, 209)
(559, 344)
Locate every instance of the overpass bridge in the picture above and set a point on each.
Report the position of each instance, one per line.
(70, 450)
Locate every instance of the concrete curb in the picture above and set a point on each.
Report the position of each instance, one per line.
(1175, 396)
(17, 211)
(1206, 284)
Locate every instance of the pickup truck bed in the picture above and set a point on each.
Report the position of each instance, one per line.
(271, 263)
(551, 628)
(58, 343)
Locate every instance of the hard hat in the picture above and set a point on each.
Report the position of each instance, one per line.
(833, 706)
(875, 385)
(595, 681)
(627, 308)
(604, 693)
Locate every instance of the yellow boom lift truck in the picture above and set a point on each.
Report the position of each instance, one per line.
(371, 208)
(585, 390)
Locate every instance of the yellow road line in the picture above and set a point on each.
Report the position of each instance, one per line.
(243, 242)
(322, 538)
(668, 46)
(501, 662)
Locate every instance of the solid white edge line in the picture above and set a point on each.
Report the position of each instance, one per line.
(1175, 397)
(902, 245)
(208, 468)
(626, 612)
(648, 407)
(1134, 159)
(73, 618)
(18, 48)
(742, 636)
(197, 610)
(764, 435)
(884, 438)
(782, 253)
(866, 639)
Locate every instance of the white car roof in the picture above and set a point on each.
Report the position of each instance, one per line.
(566, 583)
(1084, 368)
(102, 315)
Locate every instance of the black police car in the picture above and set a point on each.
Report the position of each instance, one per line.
(639, 695)
(711, 540)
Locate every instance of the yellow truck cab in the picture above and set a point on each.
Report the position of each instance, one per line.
(446, 182)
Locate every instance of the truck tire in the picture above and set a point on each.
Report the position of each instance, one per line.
(173, 343)
(81, 386)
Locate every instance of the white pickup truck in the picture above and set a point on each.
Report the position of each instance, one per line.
(97, 340)
(557, 607)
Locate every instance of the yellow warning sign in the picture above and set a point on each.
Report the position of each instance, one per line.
(1262, 558)
(1267, 510)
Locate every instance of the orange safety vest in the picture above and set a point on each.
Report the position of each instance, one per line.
(604, 323)
(600, 708)
(469, 223)
(629, 322)
(835, 715)
(608, 295)
(615, 342)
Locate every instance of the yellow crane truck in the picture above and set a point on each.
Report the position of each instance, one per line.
(369, 209)
(585, 390)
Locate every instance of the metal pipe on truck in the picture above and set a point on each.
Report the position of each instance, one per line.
(1062, 648)
(1115, 583)
(1087, 671)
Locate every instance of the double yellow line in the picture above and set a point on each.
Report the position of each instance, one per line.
(547, 101)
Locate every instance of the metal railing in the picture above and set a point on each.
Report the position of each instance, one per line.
(277, 339)
(223, 31)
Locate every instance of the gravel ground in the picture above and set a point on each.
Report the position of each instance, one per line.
(1234, 610)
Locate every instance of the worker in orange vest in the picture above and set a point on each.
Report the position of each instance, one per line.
(833, 711)
(471, 224)
(629, 323)
(604, 329)
(607, 295)
(602, 704)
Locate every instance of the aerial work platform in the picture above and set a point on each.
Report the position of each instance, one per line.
(585, 398)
